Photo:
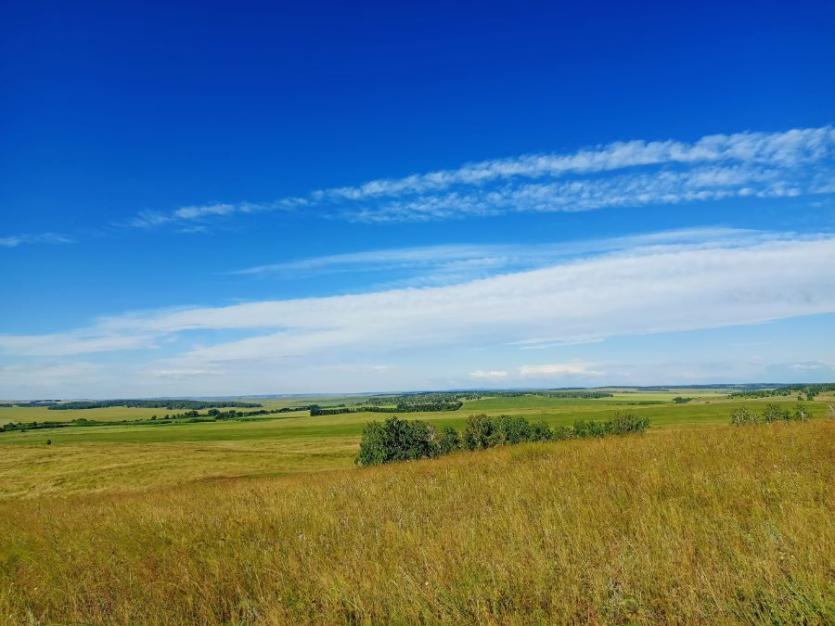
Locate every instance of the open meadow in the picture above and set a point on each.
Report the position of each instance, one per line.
(267, 521)
(135, 457)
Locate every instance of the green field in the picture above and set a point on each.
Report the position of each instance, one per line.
(693, 525)
(44, 414)
(140, 457)
(267, 520)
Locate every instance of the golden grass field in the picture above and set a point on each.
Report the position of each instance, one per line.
(710, 525)
(128, 458)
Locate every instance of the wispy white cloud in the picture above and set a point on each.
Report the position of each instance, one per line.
(632, 173)
(25, 380)
(626, 190)
(13, 241)
(545, 374)
(656, 287)
(642, 290)
(558, 370)
(489, 375)
(85, 341)
(445, 264)
(785, 149)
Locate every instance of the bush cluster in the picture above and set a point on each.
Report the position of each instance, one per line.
(397, 439)
(771, 413)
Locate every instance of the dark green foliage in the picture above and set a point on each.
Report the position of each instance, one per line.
(448, 440)
(317, 410)
(774, 413)
(681, 400)
(800, 414)
(190, 417)
(395, 440)
(620, 424)
(771, 413)
(509, 429)
(562, 432)
(743, 415)
(478, 432)
(786, 390)
(540, 431)
(585, 428)
(150, 404)
(401, 407)
(625, 423)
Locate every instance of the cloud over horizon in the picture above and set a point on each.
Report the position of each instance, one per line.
(638, 291)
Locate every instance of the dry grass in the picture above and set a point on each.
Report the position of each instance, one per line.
(34, 471)
(705, 526)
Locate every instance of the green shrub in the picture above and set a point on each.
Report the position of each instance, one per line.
(399, 440)
(448, 440)
(771, 413)
(800, 413)
(540, 431)
(562, 432)
(478, 432)
(624, 423)
(774, 413)
(585, 428)
(509, 429)
(396, 440)
(743, 415)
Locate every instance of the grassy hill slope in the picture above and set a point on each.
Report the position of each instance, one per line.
(713, 525)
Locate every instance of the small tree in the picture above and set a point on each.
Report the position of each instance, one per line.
(623, 423)
(540, 431)
(478, 432)
(395, 440)
(563, 432)
(509, 429)
(583, 428)
(447, 441)
(743, 415)
(774, 413)
(800, 414)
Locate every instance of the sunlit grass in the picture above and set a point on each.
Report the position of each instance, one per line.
(711, 525)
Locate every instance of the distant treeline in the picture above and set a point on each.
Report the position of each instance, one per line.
(189, 417)
(402, 407)
(397, 439)
(580, 394)
(810, 391)
(558, 393)
(170, 405)
(33, 403)
(412, 399)
(445, 397)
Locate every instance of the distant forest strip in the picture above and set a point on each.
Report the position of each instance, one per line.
(170, 405)
(398, 408)
(810, 391)
(446, 397)
(560, 393)
(188, 417)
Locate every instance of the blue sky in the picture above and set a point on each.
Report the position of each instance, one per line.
(266, 198)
